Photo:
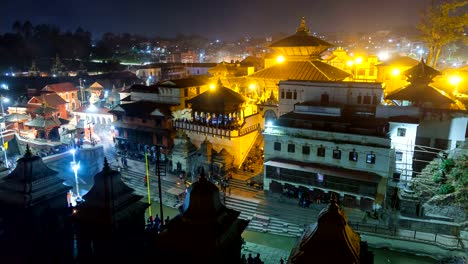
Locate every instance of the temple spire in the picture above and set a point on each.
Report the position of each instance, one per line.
(106, 164)
(28, 153)
(302, 27)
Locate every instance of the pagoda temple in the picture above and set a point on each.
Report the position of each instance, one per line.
(297, 57)
(205, 232)
(230, 119)
(46, 123)
(110, 223)
(33, 214)
(331, 240)
(419, 91)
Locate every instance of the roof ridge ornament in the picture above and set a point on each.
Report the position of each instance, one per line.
(28, 153)
(302, 27)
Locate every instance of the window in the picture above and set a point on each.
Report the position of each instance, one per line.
(361, 72)
(399, 156)
(367, 99)
(321, 151)
(375, 100)
(291, 148)
(288, 95)
(198, 90)
(353, 156)
(324, 99)
(359, 99)
(295, 95)
(282, 94)
(277, 146)
(305, 150)
(337, 154)
(401, 132)
(370, 158)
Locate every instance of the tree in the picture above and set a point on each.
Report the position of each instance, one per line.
(441, 24)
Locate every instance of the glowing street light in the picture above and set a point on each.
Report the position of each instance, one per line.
(73, 151)
(76, 167)
(455, 80)
(4, 86)
(350, 63)
(280, 59)
(396, 72)
(2, 100)
(383, 55)
(358, 60)
(212, 86)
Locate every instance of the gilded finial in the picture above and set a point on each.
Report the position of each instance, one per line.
(28, 151)
(302, 27)
(106, 164)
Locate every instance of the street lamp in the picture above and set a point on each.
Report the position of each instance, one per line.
(6, 100)
(76, 167)
(73, 151)
(455, 80)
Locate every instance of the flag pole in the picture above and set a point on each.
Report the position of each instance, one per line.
(148, 184)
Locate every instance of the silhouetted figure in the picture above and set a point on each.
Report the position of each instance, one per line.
(243, 259)
(250, 260)
(167, 220)
(257, 259)
(281, 261)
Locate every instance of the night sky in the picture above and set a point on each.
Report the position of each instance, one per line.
(213, 18)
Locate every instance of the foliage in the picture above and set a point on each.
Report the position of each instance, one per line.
(447, 165)
(446, 189)
(441, 24)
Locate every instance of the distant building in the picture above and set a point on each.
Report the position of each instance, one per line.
(68, 92)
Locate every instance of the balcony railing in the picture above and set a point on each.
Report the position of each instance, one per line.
(216, 131)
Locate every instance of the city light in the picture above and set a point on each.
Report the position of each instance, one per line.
(252, 86)
(280, 59)
(383, 55)
(396, 72)
(358, 60)
(212, 86)
(350, 63)
(112, 127)
(455, 79)
(4, 86)
(92, 108)
(73, 151)
(6, 100)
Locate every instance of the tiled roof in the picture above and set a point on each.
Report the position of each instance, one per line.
(51, 99)
(61, 87)
(402, 61)
(421, 94)
(302, 70)
(300, 39)
(98, 110)
(40, 122)
(185, 82)
(142, 108)
(421, 70)
(221, 100)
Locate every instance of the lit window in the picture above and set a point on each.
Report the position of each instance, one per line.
(277, 146)
(399, 156)
(321, 152)
(370, 158)
(353, 156)
(401, 132)
(337, 154)
(305, 150)
(291, 148)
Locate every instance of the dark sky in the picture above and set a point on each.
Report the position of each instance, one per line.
(212, 18)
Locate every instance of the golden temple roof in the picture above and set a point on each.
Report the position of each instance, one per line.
(302, 70)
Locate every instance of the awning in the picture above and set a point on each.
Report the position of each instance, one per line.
(326, 170)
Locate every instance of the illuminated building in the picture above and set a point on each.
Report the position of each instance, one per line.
(67, 91)
(224, 118)
(389, 72)
(46, 123)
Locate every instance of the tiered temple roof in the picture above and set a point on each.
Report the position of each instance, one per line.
(31, 183)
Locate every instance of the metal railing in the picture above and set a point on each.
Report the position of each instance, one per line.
(441, 240)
